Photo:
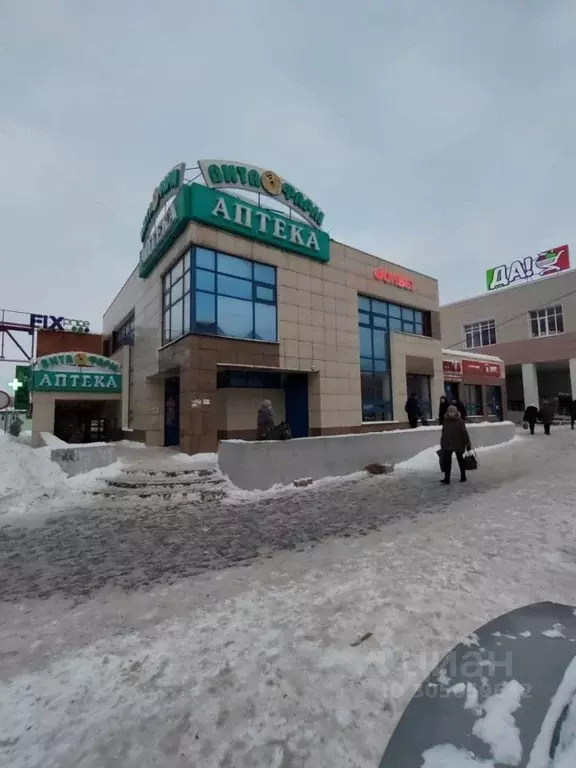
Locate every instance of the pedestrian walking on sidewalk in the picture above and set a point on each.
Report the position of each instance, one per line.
(531, 417)
(454, 439)
(573, 414)
(412, 408)
(547, 413)
(442, 408)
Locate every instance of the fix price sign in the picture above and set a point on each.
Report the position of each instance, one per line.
(58, 323)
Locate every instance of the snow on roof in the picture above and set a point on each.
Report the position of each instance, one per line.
(471, 355)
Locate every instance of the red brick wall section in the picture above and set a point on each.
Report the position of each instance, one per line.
(56, 342)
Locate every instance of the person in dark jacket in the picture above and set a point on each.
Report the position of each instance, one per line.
(547, 413)
(531, 417)
(454, 439)
(412, 408)
(442, 408)
(459, 405)
(573, 414)
(266, 421)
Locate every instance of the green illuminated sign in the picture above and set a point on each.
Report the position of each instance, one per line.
(222, 174)
(214, 208)
(172, 181)
(77, 372)
(22, 394)
(227, 212)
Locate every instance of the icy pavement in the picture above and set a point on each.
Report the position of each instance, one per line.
(148, 649)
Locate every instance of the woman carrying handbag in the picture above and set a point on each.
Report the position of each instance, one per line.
(455, 439)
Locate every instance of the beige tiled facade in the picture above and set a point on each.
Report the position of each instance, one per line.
(317, 310)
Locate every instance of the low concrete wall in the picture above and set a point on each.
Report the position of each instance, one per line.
(260, 465)
(75, 459)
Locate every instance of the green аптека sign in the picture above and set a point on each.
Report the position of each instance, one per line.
(77, 372)
(222, 211)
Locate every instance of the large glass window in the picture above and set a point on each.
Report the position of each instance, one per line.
(472, 399)
(480, 334)
(123, 336)
(176, 300)
(376, 319)
(547, 322)
(234, 297)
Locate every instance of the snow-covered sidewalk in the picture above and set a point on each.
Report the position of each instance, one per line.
(260, 666)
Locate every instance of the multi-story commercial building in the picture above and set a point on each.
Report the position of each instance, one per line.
(532, 328)
(242, 296)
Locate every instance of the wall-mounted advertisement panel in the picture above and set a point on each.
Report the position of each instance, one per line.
(547, 263)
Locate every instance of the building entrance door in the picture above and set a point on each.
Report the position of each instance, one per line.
(419, 385)
(296, 392)
(172, 411)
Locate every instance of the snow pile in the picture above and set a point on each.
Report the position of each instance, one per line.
(206, 459)
(26, 473)
(29, 478)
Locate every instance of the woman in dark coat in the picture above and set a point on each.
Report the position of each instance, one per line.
(547, 413)
(531, 417)
(412, 408)
(266, 421)
(454, 439)
(442, 408)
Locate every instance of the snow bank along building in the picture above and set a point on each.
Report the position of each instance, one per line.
(240, 295)
(532, 328)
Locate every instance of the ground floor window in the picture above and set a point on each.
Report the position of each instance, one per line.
(472, 399)
(494, 401)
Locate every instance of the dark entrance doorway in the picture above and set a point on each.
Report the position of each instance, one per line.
(172, 411)
(80, 421)
(296, 393)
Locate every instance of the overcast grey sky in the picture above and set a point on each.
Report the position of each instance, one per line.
(438, 135)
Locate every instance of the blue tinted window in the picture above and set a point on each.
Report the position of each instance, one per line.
(243, 304)
(364, 303)
(176, 319)
(264, 294)
(265, 322)
(381, 350)
(264, 274)
(408, 328)
(366, 363)
(231, 265)
(365, 342)
(205, 259)
(364, 318)
(205, 308)
(380, 307)
(232, 286)
(408, 314)
(395, 311)
(379, 321)
(235, 317)
(395, 324)
(205, 281)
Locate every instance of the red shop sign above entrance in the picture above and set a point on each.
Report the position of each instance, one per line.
(480, 368)
(389, 277)
(452, 370)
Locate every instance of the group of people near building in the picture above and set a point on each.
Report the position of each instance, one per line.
(545, 415)
(414, 412)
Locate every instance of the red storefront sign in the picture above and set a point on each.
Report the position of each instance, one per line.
(457, 370)
(452, 370)
(481, 368)
(390, 277)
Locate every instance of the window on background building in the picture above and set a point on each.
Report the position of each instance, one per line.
(480, 334)
(472, 399)
(123, 336)
(234, 297)
(176, 300)
(547, 322)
